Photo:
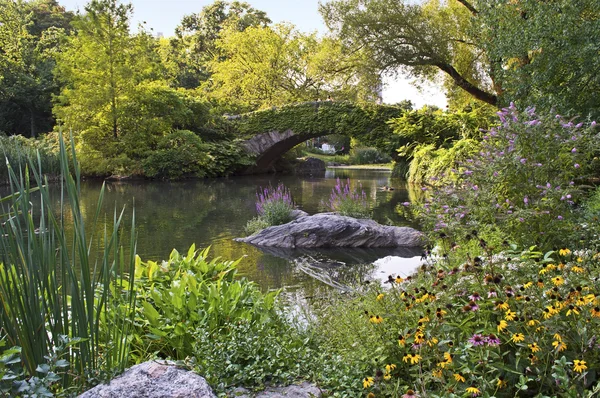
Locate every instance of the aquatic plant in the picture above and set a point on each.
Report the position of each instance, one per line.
(347, 201)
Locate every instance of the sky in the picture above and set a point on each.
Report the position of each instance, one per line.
(162, 16)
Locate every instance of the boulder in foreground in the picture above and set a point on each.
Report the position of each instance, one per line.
(332, 230)
(153, 380)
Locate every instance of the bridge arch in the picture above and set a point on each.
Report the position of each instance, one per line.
(268, 134)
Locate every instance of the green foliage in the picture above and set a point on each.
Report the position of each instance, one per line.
(188, 295)
(178, 154)
(19, 152)
(432, 165)
(507, 324)
(368, 156)
(274, 207)
(545, 51)
(52, 299)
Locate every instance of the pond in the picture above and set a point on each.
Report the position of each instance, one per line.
(212, 212)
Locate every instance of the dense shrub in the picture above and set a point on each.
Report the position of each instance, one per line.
(525, 181)
(178, 154)
(368, 156)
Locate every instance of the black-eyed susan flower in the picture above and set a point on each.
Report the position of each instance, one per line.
(579, 366)
(528, 285)
(577, 269)
(502, 325)
(596, 312)
(534, 347)
(518, 337)
(399, 279)
(474, 390)
(419, 338)
(412, 358)
(376, 319)
(501, 383)
(573, 309)
(510, 315)
(558, 280)
(564, 251)
(532, 358)
(458, 377)
(559, 345)
(502, 305)
(368, 382)
(380, 296)
(440, 312)
(401, 341)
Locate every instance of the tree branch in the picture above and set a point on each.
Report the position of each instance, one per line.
(469, 6)
(467, 85)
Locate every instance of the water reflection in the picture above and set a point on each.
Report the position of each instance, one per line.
(212, 212)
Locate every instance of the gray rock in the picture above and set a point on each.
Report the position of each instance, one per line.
(297, 213)
(153, 380)
(310, 166)
(304, 390)
(331, 230)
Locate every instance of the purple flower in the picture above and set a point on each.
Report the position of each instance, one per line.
(525, 200)
(574, 150)
(475, 296)
(477, 339)
(577, 165)
(523, 160)
(492, 340)
(560, 217)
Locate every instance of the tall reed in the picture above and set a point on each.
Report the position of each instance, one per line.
(50, 287)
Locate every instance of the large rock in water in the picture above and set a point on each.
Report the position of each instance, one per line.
(153, 380)
(332, 230)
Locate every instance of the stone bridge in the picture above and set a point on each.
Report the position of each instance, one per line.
(270, 133)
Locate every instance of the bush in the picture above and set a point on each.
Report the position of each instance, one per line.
(347, 202)
(368, 156)
(178, 154)
(524, 182)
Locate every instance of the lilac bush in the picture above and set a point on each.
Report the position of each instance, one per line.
(347, 201)
(525, 182)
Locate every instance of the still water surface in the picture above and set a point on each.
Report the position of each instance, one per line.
(213, 212)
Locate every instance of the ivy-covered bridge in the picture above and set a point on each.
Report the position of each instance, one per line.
(270, 133)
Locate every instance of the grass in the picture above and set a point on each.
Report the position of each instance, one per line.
(51, 295)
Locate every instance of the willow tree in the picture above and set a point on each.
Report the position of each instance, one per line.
(529, 51)
(424, 38)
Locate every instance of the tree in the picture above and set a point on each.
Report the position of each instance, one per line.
(29, 36)
(424, 38)
(271, 66)
(101, 67)
(546, 52)
(195, 44)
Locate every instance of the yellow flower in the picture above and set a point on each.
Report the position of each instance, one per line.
(510, 315)
(370, 395)
(399, 279)
(577, 269)
(579, 260)
(448, 356)
(501, 325)
(596, 312)
(415, 359)
(419, 338)
(459, 377)
(579, 366)
(502, 305)
(528, 285)
(559, 345)
(368, 382)
(573, 309)
(564, 252)
(437, 373)
(532, 322)
(432, 341)
(557, 337)
(558, 280)
(380, 296)
(473, 390)
(390, 367)
(534, 347)
(387, 376)
(376, 319)
(501, 383)
(518, 337)
(401, 341)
